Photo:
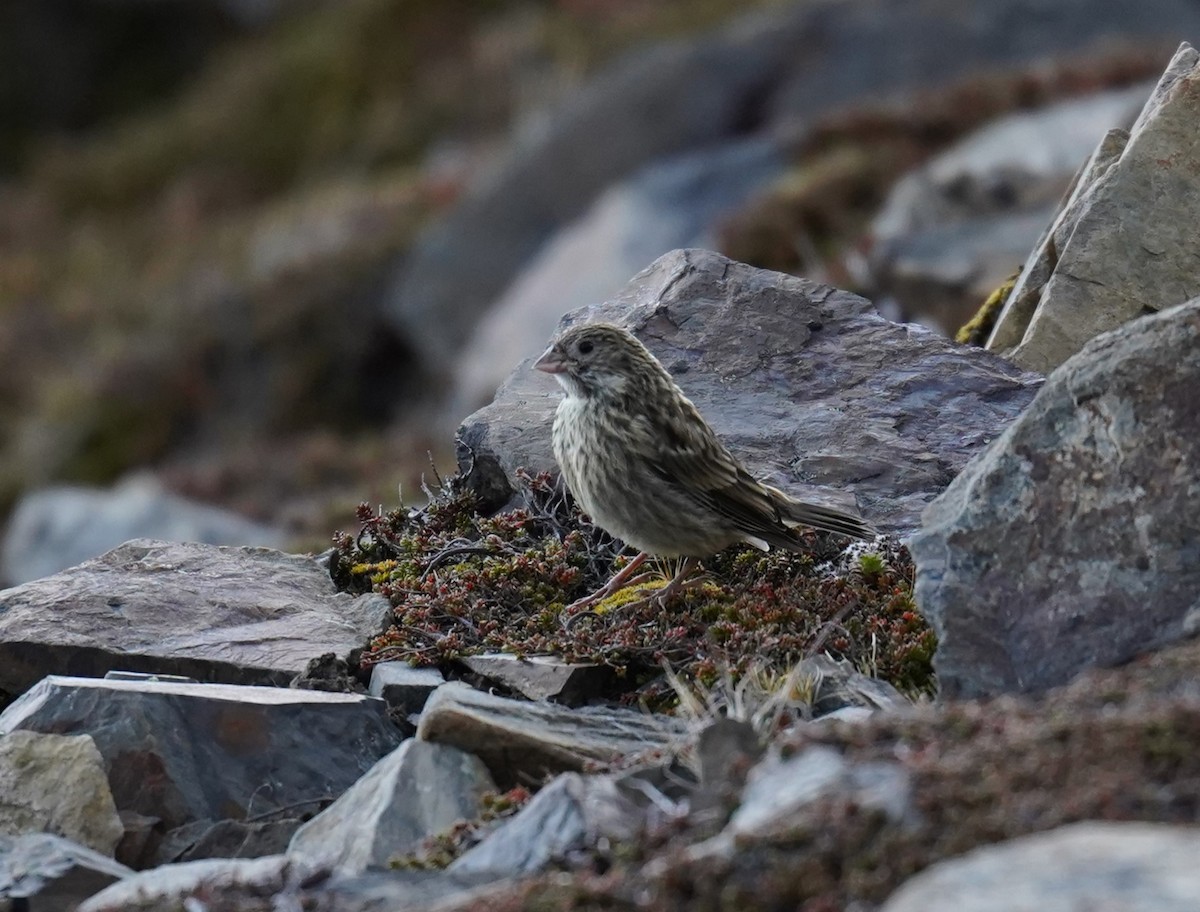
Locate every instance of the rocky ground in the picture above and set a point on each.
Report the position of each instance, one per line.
(995, 705)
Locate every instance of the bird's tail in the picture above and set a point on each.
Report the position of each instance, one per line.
(826, 519)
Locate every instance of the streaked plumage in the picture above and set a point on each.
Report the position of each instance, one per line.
(646, 466)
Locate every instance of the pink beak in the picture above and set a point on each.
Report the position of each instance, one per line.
(551, 361)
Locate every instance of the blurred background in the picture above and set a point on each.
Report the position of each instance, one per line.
(264, 255)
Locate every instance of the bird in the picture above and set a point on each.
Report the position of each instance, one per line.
(644, 464)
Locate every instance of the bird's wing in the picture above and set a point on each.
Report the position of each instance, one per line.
(689, 456)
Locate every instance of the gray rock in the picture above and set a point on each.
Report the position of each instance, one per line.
(940, 275)
(185, 752)
(1072, 541)
(777, 790)
(520, 741)
(543, 677)
(807, 384)
(237, 615)
(55, 528)
(403, 687)
(569, 814)
(168, 886)
(51, 873)
(832, 684)
(1019, 163)
(57, 784)
(1114, 867)
(956, 228)
(417, 791)
(676, 203)
(767, 72)
(1123, 245)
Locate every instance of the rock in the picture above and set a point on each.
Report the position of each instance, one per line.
(778, 789)
(666, 100)
(1071, 541)
(237, 615)
(954, 229)
(569, 814)
(52, 874)
(403, 687)
(807, 384)
(417, 791)
(520, 741)
(1114, 867)
(831, 685)
(769, 71)
(186, 752)
(672, 204)
(1122, 246)
(54, 528)
(543, 677)
(57, 784)
(168, 886)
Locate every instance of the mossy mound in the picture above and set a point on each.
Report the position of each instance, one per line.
(463, 584)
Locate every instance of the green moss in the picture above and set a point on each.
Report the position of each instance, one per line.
(977, 330)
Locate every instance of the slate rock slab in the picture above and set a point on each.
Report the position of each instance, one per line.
(518, 740)
(417, 791)
(1074, 540)
(543, 677)
(224, 614)
(185, 752)
(811, 387)
(1106, 867)
(1124, 244)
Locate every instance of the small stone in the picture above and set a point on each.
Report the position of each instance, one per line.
(403, 687)
(543, 677)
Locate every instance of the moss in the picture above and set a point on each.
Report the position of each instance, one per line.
(463, 583)
(977, 330)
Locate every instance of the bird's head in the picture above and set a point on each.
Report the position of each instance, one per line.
(599, 359)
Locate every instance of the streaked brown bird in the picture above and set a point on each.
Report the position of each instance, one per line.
(646, 466)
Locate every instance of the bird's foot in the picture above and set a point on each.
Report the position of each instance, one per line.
(624, 577)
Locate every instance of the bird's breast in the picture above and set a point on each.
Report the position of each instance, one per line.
(617, 486)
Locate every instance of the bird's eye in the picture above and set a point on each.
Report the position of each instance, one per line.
(585, 348)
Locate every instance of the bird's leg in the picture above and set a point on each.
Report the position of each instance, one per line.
(620, 578)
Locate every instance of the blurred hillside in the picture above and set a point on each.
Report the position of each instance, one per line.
(199, 205)
(247, 243)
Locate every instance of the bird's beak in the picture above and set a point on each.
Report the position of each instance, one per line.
(551, 361)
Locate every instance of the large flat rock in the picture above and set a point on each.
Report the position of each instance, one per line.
(220, 614)
(809, 385)
(193, 752)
